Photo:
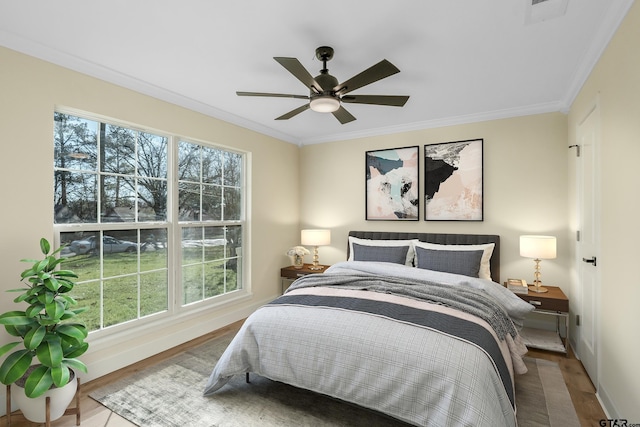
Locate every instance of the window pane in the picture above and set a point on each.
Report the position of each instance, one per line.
(153, 293)
(120, 300)
(189, 202)
(214, 243)
(234, 241)
(232, 204)
(118, 199)
(232, 169)
(234, 252)
(214, 279)
(88, 295)
(81, 255)
(118, 147)
(192, 245)
(152, 155)
(188, 162)
(211, 165)
(211, 202)
(231, 277)
(152, 200)
(191, 284)
(153, 250)
(120, 253)
(75, 142)
(74, 200)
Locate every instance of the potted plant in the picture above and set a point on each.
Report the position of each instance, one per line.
(47, 334)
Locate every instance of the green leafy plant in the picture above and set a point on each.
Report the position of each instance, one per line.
(45, 327)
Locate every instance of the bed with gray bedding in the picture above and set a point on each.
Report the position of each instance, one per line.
(428, 347)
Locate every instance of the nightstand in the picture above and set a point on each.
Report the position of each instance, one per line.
(289, 274)
(553, 303)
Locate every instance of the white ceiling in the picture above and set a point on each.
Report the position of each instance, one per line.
(460, 60)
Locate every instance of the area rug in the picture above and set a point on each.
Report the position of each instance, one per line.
(169, 394)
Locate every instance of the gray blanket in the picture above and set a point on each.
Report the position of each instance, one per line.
(465, 299)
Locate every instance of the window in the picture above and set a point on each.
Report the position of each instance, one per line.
(123, 222)
(210, 189)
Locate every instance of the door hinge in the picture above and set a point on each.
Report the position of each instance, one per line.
(577, 147)
(577, 320)
(577, 235)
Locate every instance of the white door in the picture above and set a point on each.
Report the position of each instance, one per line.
(588, 135)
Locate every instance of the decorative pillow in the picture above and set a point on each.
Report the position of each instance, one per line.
(487, 248)
(395, 254)
(466, 263)
(383, 244)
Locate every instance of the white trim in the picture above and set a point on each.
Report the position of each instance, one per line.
(442, 122)
(158, 340)
(92, 69)
(117, 334)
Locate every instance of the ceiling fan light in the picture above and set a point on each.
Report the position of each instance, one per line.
(324, 104)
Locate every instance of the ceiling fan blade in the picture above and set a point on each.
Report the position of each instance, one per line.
(343, 115)
(294, 112)
(274, 95)
(392, 100)
(372, 74)
(297, 69)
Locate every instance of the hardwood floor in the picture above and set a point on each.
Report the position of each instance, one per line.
(95, 415)
(579, 385)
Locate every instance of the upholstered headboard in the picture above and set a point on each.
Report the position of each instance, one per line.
(442, 239)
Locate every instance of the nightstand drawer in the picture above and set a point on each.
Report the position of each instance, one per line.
(291, 273)
(554, 300)
(294, 273)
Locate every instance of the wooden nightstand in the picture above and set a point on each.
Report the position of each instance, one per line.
(553, 303)
(289, 274)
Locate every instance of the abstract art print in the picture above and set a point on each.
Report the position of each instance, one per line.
(453, 181)
(392, 184)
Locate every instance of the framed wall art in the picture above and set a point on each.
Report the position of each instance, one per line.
(453, 181)
(392, 191)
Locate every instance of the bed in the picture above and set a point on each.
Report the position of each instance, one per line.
(413, 325)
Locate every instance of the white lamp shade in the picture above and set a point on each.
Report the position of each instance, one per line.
(315, 237)
(538, 247)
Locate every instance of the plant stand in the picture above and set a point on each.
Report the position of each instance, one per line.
(69, 411)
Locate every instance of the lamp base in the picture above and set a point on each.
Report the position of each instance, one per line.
(538, 289)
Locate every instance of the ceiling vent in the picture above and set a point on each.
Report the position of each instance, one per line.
(544, 10)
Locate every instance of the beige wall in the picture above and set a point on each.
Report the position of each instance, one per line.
(525, 187)
(615, 82)
(30, 89)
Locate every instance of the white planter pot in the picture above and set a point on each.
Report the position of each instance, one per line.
(34, 409)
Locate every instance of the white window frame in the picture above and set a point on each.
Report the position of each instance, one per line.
(176, 310)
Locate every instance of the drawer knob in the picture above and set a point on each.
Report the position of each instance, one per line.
(535, 303)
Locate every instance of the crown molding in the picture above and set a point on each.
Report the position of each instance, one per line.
(603, 36)
(442, 122)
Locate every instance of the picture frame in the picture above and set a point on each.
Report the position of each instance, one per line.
(453, 181)
(392, 190)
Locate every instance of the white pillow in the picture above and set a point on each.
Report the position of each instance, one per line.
(485, 270)
(383, 243)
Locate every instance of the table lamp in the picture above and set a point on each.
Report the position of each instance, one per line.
(538, 248)
(315, 238)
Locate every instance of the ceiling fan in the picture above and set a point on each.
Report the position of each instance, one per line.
(326, 95)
